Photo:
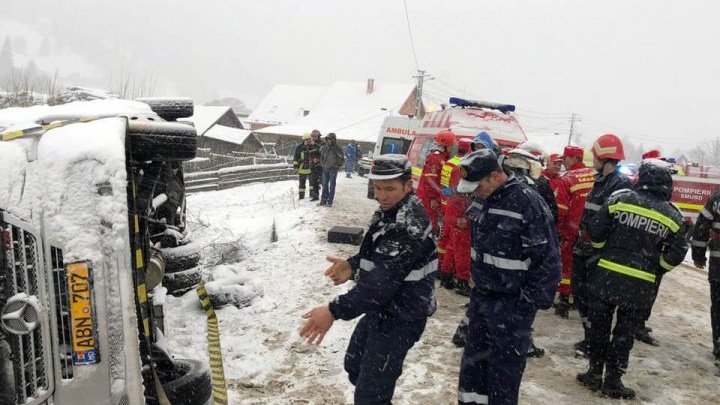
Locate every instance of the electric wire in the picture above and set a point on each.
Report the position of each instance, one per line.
(412, 42)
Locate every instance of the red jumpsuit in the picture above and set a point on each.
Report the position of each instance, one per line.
(456, 259)
(572, 190)
(445, 229)
(429, 190)
(554, 180)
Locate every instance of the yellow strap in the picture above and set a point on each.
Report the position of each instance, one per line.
(217, 372)
(648, 213)
(665, 265)
(628, 271)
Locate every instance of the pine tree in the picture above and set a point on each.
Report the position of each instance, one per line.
(7, 64)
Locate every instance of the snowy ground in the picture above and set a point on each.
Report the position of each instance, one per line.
(267, 363)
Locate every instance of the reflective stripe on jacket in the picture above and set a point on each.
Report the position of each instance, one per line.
(706, 236)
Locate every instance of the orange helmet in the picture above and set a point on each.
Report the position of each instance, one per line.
(608, 146)
(445, 138)
(464, 144)
(651, 154)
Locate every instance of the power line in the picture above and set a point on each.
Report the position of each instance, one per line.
(412, 43)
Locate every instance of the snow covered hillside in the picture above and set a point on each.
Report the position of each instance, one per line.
(266, 362)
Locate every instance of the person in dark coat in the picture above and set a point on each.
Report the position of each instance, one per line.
(516, 269)
(331, 160)
(639, 236)
(706, 236)
(302, 166)
(394, 290)
(316, 170)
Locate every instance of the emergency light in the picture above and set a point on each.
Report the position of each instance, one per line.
(461, 102)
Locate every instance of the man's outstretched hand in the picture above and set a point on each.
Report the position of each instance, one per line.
(340, 271)
(319, 321)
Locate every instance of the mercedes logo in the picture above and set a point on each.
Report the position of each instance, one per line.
(21, 314)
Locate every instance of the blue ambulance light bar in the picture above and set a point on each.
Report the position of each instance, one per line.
(461, 102)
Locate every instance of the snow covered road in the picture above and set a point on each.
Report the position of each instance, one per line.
(267, 363)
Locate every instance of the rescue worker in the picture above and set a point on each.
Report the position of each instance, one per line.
(529, 171)
(301, 164)
(429, 190)
(516, 269)
(573, 188)
(394, 287)
(706, 236)
(640, 236)
(552, 170)
(454, 243)
(607, 152)
(316, 169)
(652, 154)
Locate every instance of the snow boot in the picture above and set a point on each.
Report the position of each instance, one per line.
(643, 335)
(582, 349)
(447, 280)
(562, 307)
(592, 378)
(534, 351)
(614, 388)
(462, 287)
(458, 338)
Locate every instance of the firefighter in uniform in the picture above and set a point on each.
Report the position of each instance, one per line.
(573, 188)
(530, 172)
(429, 190)
(607, 152)
(394, 287)
(301, 164)
(316, 169)
(640, 235)
(516, 269)
(552, 171)
(454, 243)
(706, 236)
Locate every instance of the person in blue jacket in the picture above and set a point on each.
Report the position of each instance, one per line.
(516, 269)
(350, 158)
(394, 290)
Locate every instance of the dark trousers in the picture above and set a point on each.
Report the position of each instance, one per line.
(581, 266)
(497, 341)
(613, 353)
(329, 178)
(715, 314)
(315, 175)
(375, 356)
(301, 185)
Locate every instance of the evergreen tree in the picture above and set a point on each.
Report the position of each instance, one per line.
(7, 63)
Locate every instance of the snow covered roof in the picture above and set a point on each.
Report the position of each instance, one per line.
(286, 103)
(349, 111)
(205, 116)
(228, 134)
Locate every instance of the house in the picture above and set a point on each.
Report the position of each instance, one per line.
(204, 117)
(227, 141)
(352, 110)
(285, 104)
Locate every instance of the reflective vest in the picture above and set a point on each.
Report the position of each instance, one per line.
(447, 169)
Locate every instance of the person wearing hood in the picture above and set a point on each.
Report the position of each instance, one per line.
(638, 235)
(350, 158)
(429, 190)
(331, 160)
(394, 288)
(516, 269)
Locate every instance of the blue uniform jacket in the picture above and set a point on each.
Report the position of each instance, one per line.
(394, 269)
(514, 245)
(350, 153)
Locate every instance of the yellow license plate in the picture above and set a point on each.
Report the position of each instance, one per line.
(79, 278)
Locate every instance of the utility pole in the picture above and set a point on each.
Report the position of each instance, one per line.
(573, 117)
(421, 76)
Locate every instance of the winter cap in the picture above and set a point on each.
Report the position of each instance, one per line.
(555, 157)
(474, 167)
(573, 151)
(484, 139)
(315, 132)
(389, 166)
(332, 136)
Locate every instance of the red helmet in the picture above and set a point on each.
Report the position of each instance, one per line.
(464, 144)
(445, 138)
(572, 151)
(554, 157)
(608, 146)
(651, 154)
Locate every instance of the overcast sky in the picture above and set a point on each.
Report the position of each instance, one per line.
(646, 69)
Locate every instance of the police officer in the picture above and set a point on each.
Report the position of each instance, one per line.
(640, 236)
(607, 153)
(394, 290)
(516, 269)
(706, 236)
(301, 164)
